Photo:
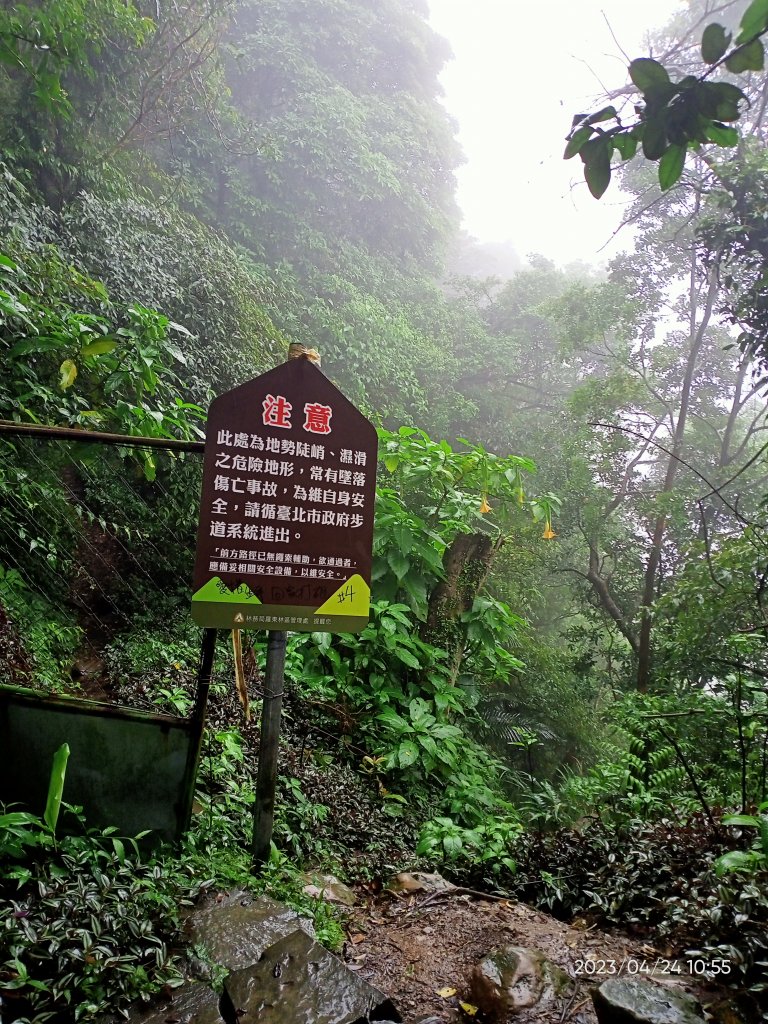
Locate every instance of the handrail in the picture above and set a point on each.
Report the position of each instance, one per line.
(99, 437)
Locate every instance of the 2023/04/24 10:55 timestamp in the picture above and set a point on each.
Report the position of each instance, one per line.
(660, 965)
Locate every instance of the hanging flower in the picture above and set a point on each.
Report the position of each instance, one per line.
(549, 533)
(484, 506)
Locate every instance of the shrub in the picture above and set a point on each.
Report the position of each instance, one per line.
(84, 923)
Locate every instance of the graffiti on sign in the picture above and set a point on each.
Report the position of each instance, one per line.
(286, 518)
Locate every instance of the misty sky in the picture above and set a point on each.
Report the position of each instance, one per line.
(521, 70)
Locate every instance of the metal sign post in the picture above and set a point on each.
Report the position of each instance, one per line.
(286, 527)
(269, 744)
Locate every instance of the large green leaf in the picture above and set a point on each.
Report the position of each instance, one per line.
(647, 73)
(29, 345)
(625, 145)
(419, 711)
(721, 134)
(734, 860)
(714, 43)
(596, 155)
(56, 786)
(391, 718)
(747, 58)
(598, 177)
(446, 732)
(403, 537)
(407, 753)
(720, 100)
(404, 655)
(452, 845)
(741, 819)
(605, 114)
(754, 21)
(98, 348)
(654, 138)
(576, 141)
(398, 562)
(671, 166)
(416, 588)
(428, 744)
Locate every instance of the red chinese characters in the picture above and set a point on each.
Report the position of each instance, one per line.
(277, 412)
(317, 418)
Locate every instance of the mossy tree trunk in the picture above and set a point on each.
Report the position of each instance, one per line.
(466, 562)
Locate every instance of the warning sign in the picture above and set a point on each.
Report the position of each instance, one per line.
(286, 518)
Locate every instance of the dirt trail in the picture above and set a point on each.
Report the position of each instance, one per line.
(412, 946)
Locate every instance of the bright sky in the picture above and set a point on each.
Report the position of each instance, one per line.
(522, 68)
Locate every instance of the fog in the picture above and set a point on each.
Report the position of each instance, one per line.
(520, 71)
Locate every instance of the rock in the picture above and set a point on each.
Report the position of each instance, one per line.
(191, 1003)
(298, 982)
(641, 1001)
(235, 931)
(419, 881)
(329, 888)
(513, 979)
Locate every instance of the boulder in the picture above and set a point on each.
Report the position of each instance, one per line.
(236, 930)
(280, 975)
(642, 1001)
(329, 888)
(296, 981)
(191, 1003)
(513, 979)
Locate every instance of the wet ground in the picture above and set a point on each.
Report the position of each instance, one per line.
(413, 947)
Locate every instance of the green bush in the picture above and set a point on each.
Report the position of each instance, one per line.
(85, 923)
(48, 638)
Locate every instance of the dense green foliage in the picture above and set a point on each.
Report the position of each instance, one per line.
(561, 692)
(86, 927)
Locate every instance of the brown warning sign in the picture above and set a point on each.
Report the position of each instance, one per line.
(286, 516)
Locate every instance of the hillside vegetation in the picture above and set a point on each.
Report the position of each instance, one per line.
(561, 694)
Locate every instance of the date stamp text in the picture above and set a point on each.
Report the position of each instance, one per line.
(717, 967)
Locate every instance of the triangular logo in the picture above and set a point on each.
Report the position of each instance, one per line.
(239, 617)
(352, 598)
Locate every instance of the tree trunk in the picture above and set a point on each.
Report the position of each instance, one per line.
(466, 563)
(606, 600)
(697, 332)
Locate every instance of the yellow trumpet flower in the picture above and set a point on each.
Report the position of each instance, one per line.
(484, 506)
(549, 533)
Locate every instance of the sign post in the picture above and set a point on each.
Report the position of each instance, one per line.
(269, 745)
(286, 527)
